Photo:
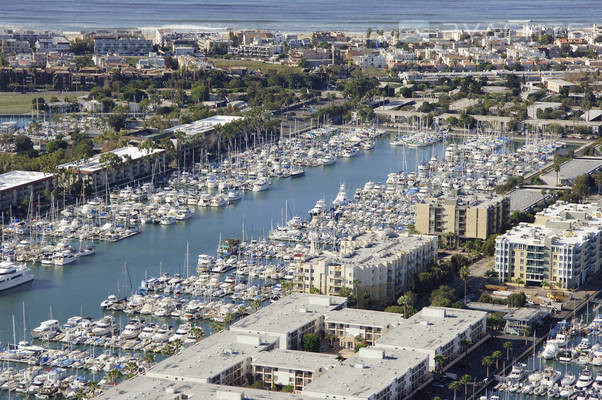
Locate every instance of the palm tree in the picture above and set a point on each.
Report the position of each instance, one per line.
(440, 360)
(465, 380)
(496, 355)
(403, 301)
(466, 343)
(228, 319)
(455, 385)
(486, 362)
(256, 304)
(114, 375)
(464, 275)
(196, 332)
(508, 347)
(216, 326)
(368, 33)
(149, 358)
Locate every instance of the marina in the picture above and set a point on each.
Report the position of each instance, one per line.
(175, 291)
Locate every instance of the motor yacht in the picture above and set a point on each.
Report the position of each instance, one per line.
(12, 275)
(47, 330)
(585, 379)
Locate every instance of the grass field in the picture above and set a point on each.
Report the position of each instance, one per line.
(18, 103)
(250, 64)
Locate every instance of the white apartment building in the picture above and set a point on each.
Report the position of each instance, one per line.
(123, 47)
(562, 246)
(380, 263)
(261, 348)
(437, 330)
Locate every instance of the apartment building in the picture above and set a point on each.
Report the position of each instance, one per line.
(437, 330)
(19, 187)
(295, 369)
(562, 246)
(290, 318)
(373, 373)
(350, 324)
(14, 46)
(261, 348)
(256, 50)
(377, 267)
(466, 217)
(134, 164)
(123, 46)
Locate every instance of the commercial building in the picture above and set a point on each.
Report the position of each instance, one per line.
(561, 246)
(519, 321)
(466, 217)
(130, 164)
(19, 187)
(123, 46)
(377, 267)
(261, 348)
(437, 330)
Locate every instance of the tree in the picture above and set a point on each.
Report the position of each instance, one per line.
(440, 360)
(487, 361)
(117, 121)
(114, 375)
(508, 347)
(442, 297)
(455, 385)
(465, 380)
(517, 299)
(464, 275)
(311, 342)
(199, 93)
(496, 355)
(149, 358)
(368, 33)
(23, 144)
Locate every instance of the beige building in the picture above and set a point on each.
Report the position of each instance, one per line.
(467, 217)
(376, 267)
(563, 246)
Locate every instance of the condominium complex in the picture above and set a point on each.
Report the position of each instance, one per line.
(20, 187)
(378, 267)
(466, 217)
(264, 348)
(562, 246)
(123, 47)
(133, 164)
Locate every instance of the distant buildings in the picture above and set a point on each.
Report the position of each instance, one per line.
(466, 217)
(20, 187)
(562, 246)
(375, 267)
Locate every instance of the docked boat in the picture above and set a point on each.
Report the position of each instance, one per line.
(132, 329)
(585, 379)
(47, 330)
(12, 275)
(550, 377)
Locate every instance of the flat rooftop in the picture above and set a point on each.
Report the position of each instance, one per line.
(203, 125)
(571, 170)
(15, 179)
(361, 376)
(523, 199)
(431, 328)
(295, 360)
(211, 356)
(288, 314)
(149, 388)
(354, 316)
(93, 164)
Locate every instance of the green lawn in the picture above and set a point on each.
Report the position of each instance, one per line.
(18, 103)
(250, 64)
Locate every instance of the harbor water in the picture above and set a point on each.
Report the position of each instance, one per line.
(78, 289)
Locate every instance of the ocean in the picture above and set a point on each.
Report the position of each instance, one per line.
(290, 16)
